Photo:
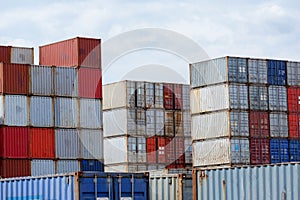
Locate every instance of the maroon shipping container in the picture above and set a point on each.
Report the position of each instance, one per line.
(294, 122)
(90, 83)
(14, 142)
(259, 151)
(177, 96)
(14, 78)
(259, 124)
(5, 54)
(14, 168)
(42, 143)
(294, 99)
(168, 96)
(84, 52)
(151, 149)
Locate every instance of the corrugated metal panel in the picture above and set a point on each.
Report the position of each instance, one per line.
(258, 96)
(14, 142)
(278, 125)
(66, 81)
(277, 98)
(293, 73)
(240, 153)
(13, 168)
(92, 165)
(195, 101)
(178, 123)
(66, 112)
(140, 122)
(131, 92)
(90, 83)
(5, 52)
(294, 125)
(159, 95)
(42, 167)
(277, 72)
(260, 183)
(169, 123)
(67, 143)
(151, 149)
(41, 111)
(140, 94)
(259, 151)
(150, 122)
(259, 124)
(294, 99)
(149, 95)
(294, 147)
(238, 96)
(159, 122)
(168, 96)
(91, 144)
(41, 80)
(22, 55)
(177, 96)
(115, 150)
(237, 70)
(185, 97)
(115, 95)
(279, 149)
(188, 150)
(89, 52)
(67, 166)
(42, 143)
(90, 113)
(16, 110)
(257, 69)
(2, 109)
(115, 122)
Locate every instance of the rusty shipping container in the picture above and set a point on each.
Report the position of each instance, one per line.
(42, 143)
(14, 168)
(83, 52)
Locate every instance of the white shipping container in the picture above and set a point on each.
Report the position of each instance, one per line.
(42, 167)
(293, 73)
(66, 112)
(67, 166)
(67, 143)
(15, 110)
(22, 55)
(66, 81)
(41, 80)
(117, 95)
(90, 113)
(91, 144)
(41, 111)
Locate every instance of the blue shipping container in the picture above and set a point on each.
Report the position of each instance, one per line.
(77, 186)
(279, 150)
(92, 165)
(294, 150)
(277, 72)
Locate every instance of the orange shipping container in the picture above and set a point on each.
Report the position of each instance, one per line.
(42, 143)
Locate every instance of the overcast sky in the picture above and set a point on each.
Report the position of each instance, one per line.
(264, 29)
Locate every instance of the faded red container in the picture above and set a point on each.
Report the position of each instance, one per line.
(42, 143)
(169, 123)
(83, 52)
(294, 130)
(168, 96)
(161, 149)
(177, 96)
(14, 78)
(90, 83)
(259, 124)
(14, 142)
(14, 168)
(151, 149)
(178, 123)
(5, 54)
(294, 99)
(259, 151)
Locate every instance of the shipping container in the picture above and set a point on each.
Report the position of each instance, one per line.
(170, 186)
(174, 151)
(140, 95)
(128, 167)
(159, 95)
(151, 149)
(258, 96)
(277, 72)
(293, 73)
(41, 80)
(177, 96)
(279, 125)
(221, 152)
(169, 123)
(279, 149)
(229, 123)
(90, 113)
(149, 95)
(42, 167)
(91, 144)
(42, 143)
(14, 78)
(14, 110)
(294, 99)
(162, 142)
(294, 126)
(294, 150)
(155, 167)
(186, 97)
(159, 122)
(67, 143)
(84, 52)
(92, 165)
(259, 151)
(13, 168)
(5, 54)
(66, 112)
(257, 70)
(168, 96)
(259, 124)
(188, 150)
(186, 120)
(66, 81)
(22, 55)
(67, 166)
(219, 70)
(259, 182)
(90, 83)
(140, 122)
(178, 123)
(277, 98)
(41, 111)
(150, 122)
(14, 142)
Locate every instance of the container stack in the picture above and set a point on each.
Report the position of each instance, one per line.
(240, 109)
(146, 126)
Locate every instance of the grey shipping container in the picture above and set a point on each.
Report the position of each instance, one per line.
(277, 98)
(90, 113)
(42, 167)
(67, 143)
(150, 122)
(258, 182)
(278, 124)
(66, 81)
(67, 166)
(188, 150)
(41, 111)
(16, 112)
(140, 122)
(293, 73)
(257, 70)
(91, 144)
(66, 112)
(150, 98)
(140, 94)
(22, 55)
(187, 123)
(159, 98)
(41, 80)
(186, 97)
(258, 96)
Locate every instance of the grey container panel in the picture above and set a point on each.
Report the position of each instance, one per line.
(132, 150)
(188, 150)
(159, 99)
(149, 91)
(293, 73)
(150, 120)
(130, 90)
(278, 125)
(238, 95)
(257, 69)
(141, 150)
(67, 143)
(41, 111)
(185, 97)
(131, 122)
(240, 153)
(169, 123)
(277, 98)
(66, 112)
(159, 122)
(66, 81)
(16, 110)
(91, 144)
(137, 150)
(239, 124)
(41, 80)
(42, 167)
(22, 55)
(140, 94)
(141, 122)
(258, 96)
(67, 166)
(90, 113)
(237, 70)
(178, 122)
(187, 123)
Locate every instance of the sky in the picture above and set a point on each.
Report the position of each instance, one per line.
(177, 29)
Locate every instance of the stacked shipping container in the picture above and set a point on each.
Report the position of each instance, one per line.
(143, 126)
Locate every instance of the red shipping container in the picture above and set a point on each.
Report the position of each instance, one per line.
(259, 124)
(42, 143)
(161, 149)
(259, 151)
(151, 149)
(177, 96)
(14, 168)
(90, 83)
(294, 99)
(294, 123)
(14, 142)
(168, 97)
(83, 52)
(5, 54)
(14, 78)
